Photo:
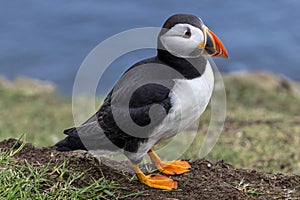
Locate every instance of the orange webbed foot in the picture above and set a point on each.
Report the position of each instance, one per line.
(155, 180)
(159, 181)
(174, 167)
(170, 168)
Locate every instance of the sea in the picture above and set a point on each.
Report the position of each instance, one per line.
(49, 40)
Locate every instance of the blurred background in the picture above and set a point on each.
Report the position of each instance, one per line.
(48, 40)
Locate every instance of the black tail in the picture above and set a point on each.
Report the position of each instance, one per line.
(71, 142)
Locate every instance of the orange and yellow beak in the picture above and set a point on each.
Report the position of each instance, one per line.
(212, 44)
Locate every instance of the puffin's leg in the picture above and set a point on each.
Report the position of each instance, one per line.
(155, 180)
(170, 168)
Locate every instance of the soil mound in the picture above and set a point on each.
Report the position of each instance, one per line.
(206, 181)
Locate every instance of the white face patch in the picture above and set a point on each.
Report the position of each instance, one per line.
(181, 45)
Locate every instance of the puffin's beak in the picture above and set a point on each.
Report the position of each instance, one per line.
(213, 45)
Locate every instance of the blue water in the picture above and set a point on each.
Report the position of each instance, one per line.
(48, 40)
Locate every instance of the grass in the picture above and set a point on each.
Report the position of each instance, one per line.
(32, 182)
(247, 188)
(262, 129)
(41, 116)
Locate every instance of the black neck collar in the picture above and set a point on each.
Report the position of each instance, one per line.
(190, 68)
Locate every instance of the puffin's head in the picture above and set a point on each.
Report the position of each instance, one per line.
(186, 36)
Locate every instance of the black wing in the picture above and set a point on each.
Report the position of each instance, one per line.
(138, 110)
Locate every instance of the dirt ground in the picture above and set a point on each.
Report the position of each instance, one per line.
(206, 181)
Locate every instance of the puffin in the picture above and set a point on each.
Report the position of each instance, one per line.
(133, 118)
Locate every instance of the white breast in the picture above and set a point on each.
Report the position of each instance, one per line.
(189, 99)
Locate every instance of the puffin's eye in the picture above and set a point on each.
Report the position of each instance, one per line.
(187, 33)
